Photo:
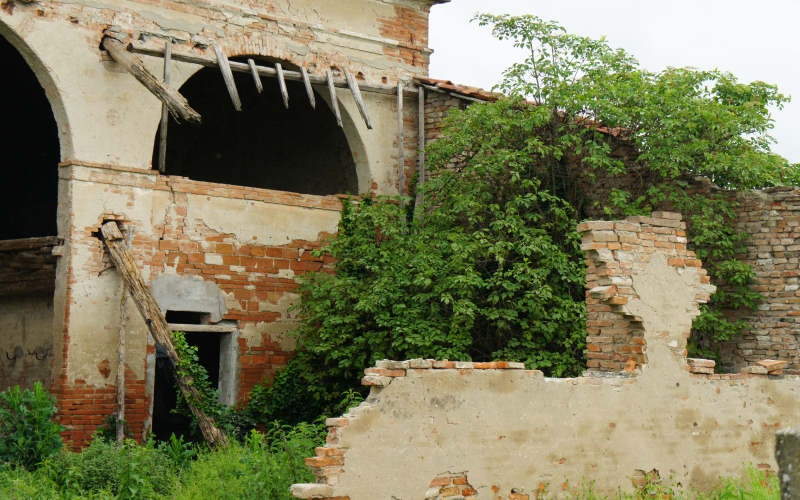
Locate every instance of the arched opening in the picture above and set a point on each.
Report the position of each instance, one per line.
(29, 154)
(266, 145)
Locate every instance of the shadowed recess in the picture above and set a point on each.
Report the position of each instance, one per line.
(29, 151)
(299, 149)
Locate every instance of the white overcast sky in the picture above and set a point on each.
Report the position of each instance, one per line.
(754, 40)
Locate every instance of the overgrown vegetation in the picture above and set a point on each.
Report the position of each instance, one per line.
(488, 266)
(28, 433)
(261, 465)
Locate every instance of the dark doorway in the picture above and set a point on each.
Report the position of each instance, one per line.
(166, 420)
(265, 145)
(29, 151)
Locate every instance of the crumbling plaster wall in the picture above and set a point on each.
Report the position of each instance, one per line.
(26, 343)
(509, 428)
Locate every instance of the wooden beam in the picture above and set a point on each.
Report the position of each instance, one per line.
(123, 317)
(27, 243)
(148, 307)
(420, 145)
(227, 75)
(282, 85)
(256, 77)
(139, 47)
(401, 153)
(162, 143)
(309, 90)
(353, 85)
(184, 327)
(177, 105)
(334, 100)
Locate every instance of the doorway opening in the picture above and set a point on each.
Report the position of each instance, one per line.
(217, 353)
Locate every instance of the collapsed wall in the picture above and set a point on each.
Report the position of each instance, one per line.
(771, 218)
(494, 430)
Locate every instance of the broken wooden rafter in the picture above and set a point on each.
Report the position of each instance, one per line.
(227, 76)
(162, 144)
(157, 325)
(309, 90)
(138, 47)
(282, 85)
(177, 105)
(334, 100)
(256, 77)
(354, 89)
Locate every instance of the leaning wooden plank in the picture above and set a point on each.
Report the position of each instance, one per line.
(309, 90)
(157, 324)
(227, 75)
(256, 77)
(353, 84)
(162, 137)
(177, 105)
(401, 153)
(334, 100)
(282, 85)
(121, 364)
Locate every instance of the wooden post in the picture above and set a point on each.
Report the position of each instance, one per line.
(420, 143)
(256, 76)
(177, 105)
(227, 75)
(157, 324)
(309, 90)
(282, 85)
(401, 154)
(353, 84)
(162, 143)
(334, 100)
(121, 365)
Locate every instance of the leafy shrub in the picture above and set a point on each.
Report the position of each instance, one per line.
(127, 471)
(262, 467)
(28, 433)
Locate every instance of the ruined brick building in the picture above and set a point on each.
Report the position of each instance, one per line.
(222, 216)
(243, 198)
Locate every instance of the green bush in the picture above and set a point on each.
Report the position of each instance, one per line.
(127, 471)
(262, 467)
(28, 433)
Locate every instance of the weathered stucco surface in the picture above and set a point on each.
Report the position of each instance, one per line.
(515, 429)
(26, 340)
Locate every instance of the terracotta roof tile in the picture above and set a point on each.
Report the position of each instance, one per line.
(465, 90)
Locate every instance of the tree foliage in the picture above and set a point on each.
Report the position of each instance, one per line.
(488, 266)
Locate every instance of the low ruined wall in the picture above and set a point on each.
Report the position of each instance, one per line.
(506, 432)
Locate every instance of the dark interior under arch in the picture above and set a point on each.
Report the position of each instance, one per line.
(299, 149)
(29, 151)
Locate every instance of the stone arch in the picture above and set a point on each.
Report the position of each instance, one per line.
(36, 136)
(357, 163)
(48, 84)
